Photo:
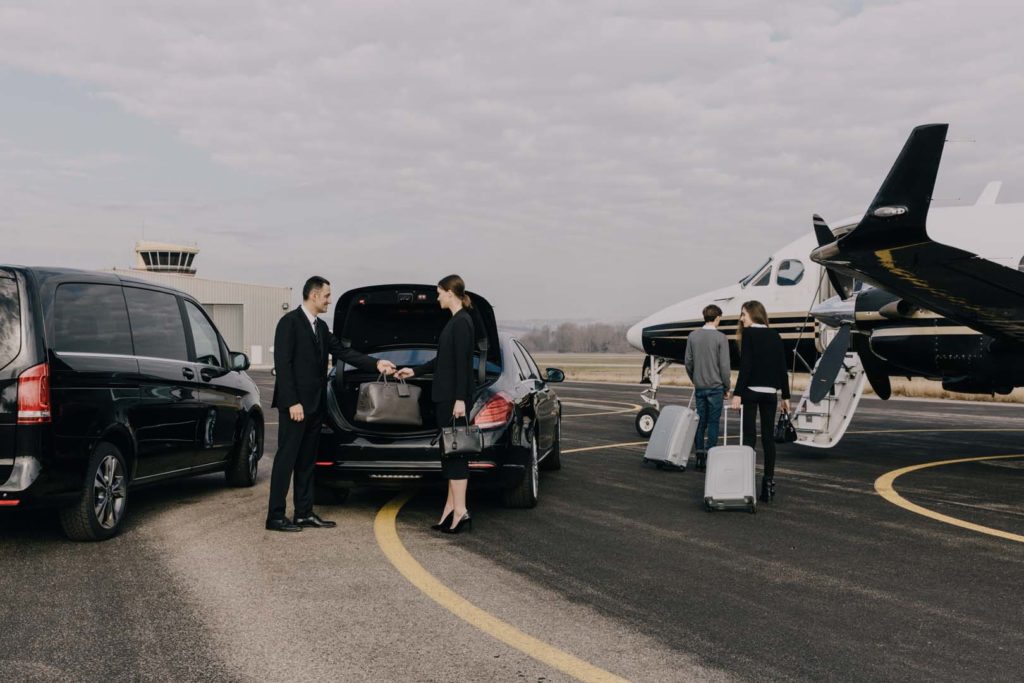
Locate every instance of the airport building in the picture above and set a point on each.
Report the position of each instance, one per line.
(246, 314)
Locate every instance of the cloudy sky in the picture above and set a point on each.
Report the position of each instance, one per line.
(591, 159)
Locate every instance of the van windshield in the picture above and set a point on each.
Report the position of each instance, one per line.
(10, 319)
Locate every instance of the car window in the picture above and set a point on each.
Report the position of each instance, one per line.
(534, 370)
(524, 367)
(157, 329)
(10, 320)
(791, 271)
(91, 319)
(204, 337)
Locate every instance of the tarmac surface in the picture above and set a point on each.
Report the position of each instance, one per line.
(619, 566)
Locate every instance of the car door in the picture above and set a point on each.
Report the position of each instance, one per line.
(218, 389)
(545, 402)
(167, 418)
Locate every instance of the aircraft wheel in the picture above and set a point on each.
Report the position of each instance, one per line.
(645, 420)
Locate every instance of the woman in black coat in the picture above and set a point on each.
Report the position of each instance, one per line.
(452, 391)
(763, 374)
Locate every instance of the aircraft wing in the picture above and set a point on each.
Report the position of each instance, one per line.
(890, 248)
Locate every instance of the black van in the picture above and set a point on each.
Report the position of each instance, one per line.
(110, 382)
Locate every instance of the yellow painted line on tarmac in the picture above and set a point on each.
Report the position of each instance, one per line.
(950, 429)
(610, 412)
(387, 538)
(597, 403)
(598, 448)
(884, 487)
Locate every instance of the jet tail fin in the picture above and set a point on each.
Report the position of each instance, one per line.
(899, 212)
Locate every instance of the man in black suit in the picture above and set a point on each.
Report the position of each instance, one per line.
(302, 343)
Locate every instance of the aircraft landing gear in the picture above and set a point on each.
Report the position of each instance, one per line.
(648, 415)
(645, 420)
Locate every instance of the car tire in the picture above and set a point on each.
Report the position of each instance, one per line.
(329, 495)
(243, 466)
(524, 495)
(645, 421)
(553, 461)
(103, 504)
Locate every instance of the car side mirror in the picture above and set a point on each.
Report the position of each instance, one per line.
(555, 375)
(239, 362)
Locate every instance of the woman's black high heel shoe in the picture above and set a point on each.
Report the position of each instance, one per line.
(446, 522)
(465, 524)
(767, 490)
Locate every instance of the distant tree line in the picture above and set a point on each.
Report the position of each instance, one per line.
(574, 338)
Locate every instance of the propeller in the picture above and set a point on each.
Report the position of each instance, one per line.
(842, 284)
(873, 367)
(831, 362)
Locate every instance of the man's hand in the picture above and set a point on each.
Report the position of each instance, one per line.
(735, 405)
(459, 410)
(296, 413)
(385, 367)
(404, 373)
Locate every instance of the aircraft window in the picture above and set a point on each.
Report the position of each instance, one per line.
(757, 271)
(764, 278)
(1020, 266)
(791, 272)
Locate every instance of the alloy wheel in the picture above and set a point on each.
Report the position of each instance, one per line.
(535, 466)
(109, 492)
(253, 446)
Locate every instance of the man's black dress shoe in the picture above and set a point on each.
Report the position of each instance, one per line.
(282, 525)
(313, 520)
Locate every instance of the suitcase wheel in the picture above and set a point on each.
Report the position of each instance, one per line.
(707, 505)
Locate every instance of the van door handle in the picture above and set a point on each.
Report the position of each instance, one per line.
(188, 373)
(207, 375)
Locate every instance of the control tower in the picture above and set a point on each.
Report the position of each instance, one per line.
(160, 257)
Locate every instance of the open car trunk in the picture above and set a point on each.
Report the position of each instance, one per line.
(401, 323)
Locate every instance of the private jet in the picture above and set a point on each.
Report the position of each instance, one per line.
(825, 302)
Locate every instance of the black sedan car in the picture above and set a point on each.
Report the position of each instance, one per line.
(514, 405)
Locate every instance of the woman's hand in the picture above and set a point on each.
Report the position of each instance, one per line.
(404, 373)
(785, 405)
(735, 404)
(460, 409)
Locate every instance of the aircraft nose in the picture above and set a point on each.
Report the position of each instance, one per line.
(635, 336)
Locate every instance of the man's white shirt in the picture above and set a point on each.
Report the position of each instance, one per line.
(310, 317)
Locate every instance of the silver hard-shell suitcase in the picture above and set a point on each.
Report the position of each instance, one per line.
(672, 438)
(729, 481)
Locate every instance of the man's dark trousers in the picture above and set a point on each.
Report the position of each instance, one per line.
(296, 451)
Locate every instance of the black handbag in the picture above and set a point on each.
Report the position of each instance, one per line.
(785, 432)
(461, 440)
(389, 403)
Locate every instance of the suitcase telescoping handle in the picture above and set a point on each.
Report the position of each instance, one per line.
(725, 426)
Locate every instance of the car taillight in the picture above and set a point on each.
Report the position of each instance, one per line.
(34, 395)
(495, 413)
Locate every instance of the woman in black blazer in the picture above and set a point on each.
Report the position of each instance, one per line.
(763, 373)
(452, 391)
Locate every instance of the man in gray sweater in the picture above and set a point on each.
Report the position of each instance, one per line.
(707, 363)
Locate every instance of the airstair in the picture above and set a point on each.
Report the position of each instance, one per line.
(822, 425)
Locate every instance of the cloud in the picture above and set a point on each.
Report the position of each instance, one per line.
(579, 159)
